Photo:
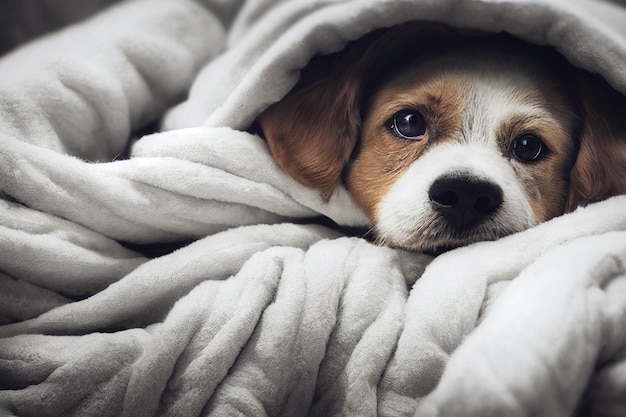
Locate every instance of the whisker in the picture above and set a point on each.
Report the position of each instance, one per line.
(368, 233)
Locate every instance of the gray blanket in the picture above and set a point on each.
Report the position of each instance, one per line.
(261, 311)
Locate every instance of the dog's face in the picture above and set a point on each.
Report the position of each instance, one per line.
(463, 144)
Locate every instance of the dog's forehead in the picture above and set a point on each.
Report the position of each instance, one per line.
(474, 72)
(483, 87)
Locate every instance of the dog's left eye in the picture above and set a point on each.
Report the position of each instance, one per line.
(528, 148)
(408, 124)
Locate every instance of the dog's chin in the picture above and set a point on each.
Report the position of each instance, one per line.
(439, 237)
(436, 248)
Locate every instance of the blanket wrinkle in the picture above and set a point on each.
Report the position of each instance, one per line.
(570, 27)
(226, 11)
(606, 390)
(266, 313)
(557, 380)
(223, 148)
(349, 374)
(205, 316)
(138, 70)
(294, 367)
(492, 262)
(273, 374)
(37, 248)
(53, 376)
(145, 200)
(154, 290)
(20, 300)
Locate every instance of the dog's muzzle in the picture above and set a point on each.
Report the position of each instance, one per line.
(464, 201)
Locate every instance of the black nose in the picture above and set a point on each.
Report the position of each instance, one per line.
(464, 202)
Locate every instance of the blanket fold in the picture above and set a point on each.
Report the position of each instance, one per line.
(585, 293)
(62, 93)
(263, 309)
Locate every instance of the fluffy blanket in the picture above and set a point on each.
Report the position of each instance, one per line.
(195, 278)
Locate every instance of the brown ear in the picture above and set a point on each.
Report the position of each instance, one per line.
(600, 168)
(313, 131)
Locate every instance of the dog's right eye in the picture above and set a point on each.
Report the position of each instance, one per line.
(528, 148)
(408, 124)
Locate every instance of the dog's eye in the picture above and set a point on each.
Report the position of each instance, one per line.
(528, 148)
(408, 124)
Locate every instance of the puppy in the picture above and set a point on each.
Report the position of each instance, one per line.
(447, 138)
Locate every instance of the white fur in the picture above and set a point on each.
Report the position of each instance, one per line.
(406, 218)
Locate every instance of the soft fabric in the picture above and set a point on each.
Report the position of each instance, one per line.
(259, 307)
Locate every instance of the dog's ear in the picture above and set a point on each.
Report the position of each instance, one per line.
(600, 168)
(313, 131)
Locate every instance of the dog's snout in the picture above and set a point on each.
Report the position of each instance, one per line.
(464, 202)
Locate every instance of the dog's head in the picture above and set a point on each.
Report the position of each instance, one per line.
(473, 139)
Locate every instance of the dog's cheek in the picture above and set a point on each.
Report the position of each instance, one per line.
(545, 189)
(379, 165)
(365, 184)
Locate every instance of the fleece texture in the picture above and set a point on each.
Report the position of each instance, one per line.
(261, 310)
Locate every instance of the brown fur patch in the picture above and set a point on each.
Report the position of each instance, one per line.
(600, 169)
(545, 181)
(312, 132)
(383, 156)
